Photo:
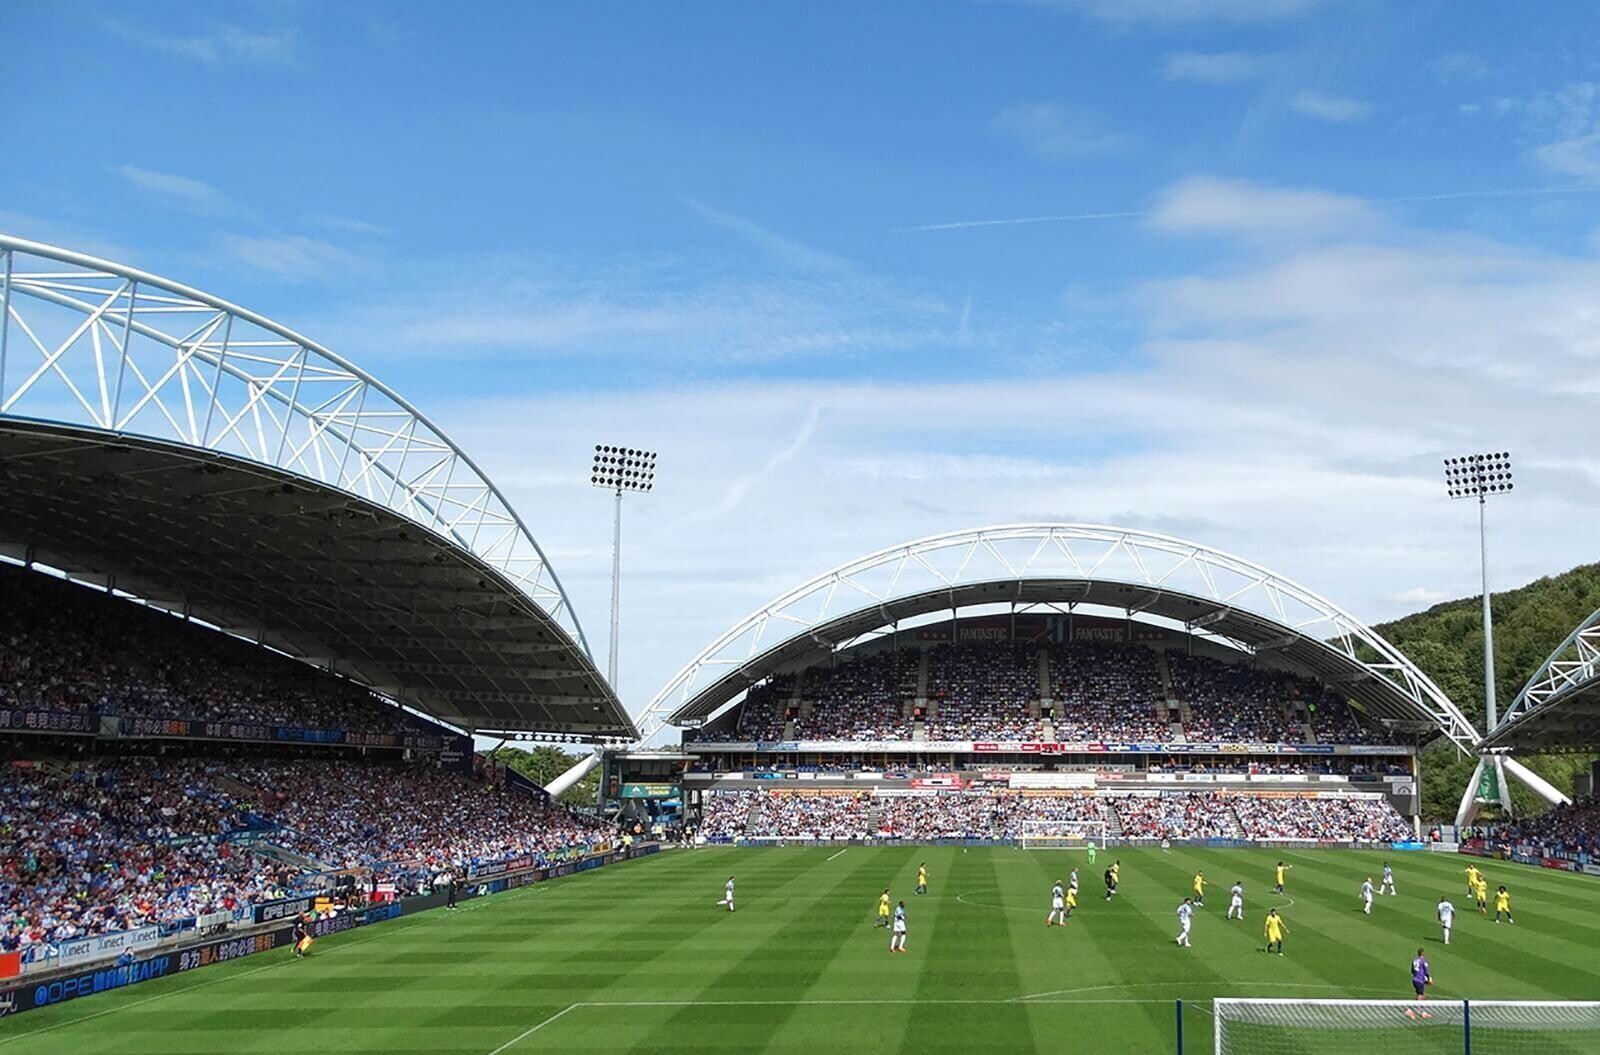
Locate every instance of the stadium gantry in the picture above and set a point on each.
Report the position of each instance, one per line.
(1559, 708)
(1060, 567)
(161, 442)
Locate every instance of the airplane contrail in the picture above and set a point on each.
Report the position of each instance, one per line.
(1077, 216)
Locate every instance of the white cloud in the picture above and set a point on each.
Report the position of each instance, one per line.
(348, 225)
(295, 257)
(1579, 156)
(1125, 13)
(195, 194)
(1332, 109)
(1418, 597)
(1219, 67)
(1236, 207)
(216, 45)
(1059, 132)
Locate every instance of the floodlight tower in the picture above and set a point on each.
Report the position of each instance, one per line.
(1479, 476)
(620, 469)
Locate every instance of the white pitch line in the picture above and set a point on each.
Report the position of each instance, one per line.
(525, 1034)
(836, 855)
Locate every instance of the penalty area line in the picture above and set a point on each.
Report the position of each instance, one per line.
(836, 855)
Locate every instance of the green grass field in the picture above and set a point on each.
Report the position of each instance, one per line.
(636, 958)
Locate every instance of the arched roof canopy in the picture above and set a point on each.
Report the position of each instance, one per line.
(1208, 591)
(155, 435)
(1559, 707)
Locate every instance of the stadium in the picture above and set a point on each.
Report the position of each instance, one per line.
(261, 617)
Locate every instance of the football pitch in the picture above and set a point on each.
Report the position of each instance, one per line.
(636, 957)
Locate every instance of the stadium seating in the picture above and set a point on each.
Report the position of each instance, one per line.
(1564, 831)
(101, 846)
(753, 814)
(980, 692)
(1098, 693)
(67, 648)
(1106, 692)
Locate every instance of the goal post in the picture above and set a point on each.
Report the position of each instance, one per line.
(1061, 835)
(1471, 1027)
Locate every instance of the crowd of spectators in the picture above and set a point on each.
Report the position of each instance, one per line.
(1098, 693)
(398, 820)
(1230, 703)
(983, 692)
(116, 846)
(994, 815)
(1106, 692)
(1340, 818)
(1176, 815)
(110, 845)
(749, 814)
(857, 699)
(68, 648)
(1562, 831)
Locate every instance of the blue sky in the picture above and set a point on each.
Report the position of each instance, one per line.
(1326, 243)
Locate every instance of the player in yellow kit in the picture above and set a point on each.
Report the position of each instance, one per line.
(1072, 900)
(883, 910)
(1275, 931)
(1278, 876)
(1200, 890)
(922, 879)
(1473, 875)
(1502, 903)
(1480, 891)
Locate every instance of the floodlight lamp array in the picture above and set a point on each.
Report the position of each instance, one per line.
(1477, 475)
(623, 468)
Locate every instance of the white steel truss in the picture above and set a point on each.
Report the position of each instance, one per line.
(1068, 552)
(1576, 662)
(93, 343)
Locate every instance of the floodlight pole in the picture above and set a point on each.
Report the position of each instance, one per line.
(616, 588)
(1478, 476)
(1491, 719)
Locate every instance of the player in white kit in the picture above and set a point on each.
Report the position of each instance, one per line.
(727, 896)
(897, 939)
(1236, 902)
(1366, 896)
(1058, 907)
(1447, 916)
(1387, 886)
(1185, 921)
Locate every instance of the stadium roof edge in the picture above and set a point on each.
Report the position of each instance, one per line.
(1559, 707)
(113, 357)
(1070, 563)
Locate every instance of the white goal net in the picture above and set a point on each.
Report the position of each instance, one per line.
(1472, 1027)
(1061, 835)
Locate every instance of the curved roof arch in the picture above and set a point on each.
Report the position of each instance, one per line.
(152, 434)
(1211, 592)
(1560, 704)
(151, 357)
